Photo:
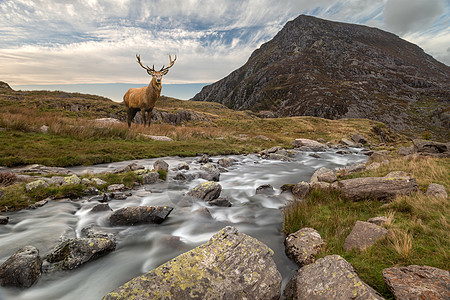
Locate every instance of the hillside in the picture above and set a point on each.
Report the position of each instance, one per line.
(315, 67)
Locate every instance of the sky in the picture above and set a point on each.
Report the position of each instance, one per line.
(94, 42)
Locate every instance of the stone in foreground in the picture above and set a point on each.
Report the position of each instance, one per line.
(303, 245)
(364, 235)
(206, 191)
(331, 277)
(231, 265)
(418, 282)
(135, 215)
(22, 269)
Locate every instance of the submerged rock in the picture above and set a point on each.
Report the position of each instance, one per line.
(135, 215)
(231, 265)
(22, 269)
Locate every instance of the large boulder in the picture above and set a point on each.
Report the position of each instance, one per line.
(72, 253)
(331, 277)
(206, 191)
(231, 265)
(22, 269)
(135, 215)
(303, 245)
(308, 145)
(211, 172)
(377, 188)
(418, 282)
(364, 235)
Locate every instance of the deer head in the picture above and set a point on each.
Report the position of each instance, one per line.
(157, 75)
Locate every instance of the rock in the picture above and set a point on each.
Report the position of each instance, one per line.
(91, 232)
(107, 121)
(128, 168)
(210, 176)
(377, 188)
(379, 156)
(22, 269)
(204, 159)
(203, 212)
(320, 185)
(331, 277)
(358, 138)
(221, 201)
(116, 187)
(150, 178)
(343, 152)
(276, 156)
(308, 145)
(417, 282)
(322, 140)
(100, 207)
(160, 164)
(135, 215)
(303, 245)
(323, 174)
(4, 220)
(373, 166)
(183, 166)
(206, 191)
(226, 162)
(98, 181)
(436, 190)
(36, 184)
(39, 203)
(265, 189)
(364, 235)
(231, 265)
(57, 180)
(180, 176)
(161, 138)
(72, 253)
(432, 148)
(403, 151)
(315, 155)
(355, 168)
(347, 142)
(85, 181)
(380, 221)
(99, 198)
(40, 169)
(117, 196)
(74, 179)
(263, 137)
(300, 190)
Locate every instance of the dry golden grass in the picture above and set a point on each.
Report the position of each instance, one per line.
(402, 242)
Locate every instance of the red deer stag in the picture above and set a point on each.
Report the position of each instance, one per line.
(145, 98)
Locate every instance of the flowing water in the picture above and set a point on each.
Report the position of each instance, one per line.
(144, 247)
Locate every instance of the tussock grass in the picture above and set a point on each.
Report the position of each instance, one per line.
(418, 224)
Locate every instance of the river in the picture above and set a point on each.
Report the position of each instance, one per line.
(144, 247)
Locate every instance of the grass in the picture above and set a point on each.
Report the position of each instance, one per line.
(418, 225)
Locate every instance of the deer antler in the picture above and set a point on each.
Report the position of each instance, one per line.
(166, 69)
(145, 67)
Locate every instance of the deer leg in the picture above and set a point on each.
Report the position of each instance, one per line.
(149, 116)
(131, 112)
(144, 117)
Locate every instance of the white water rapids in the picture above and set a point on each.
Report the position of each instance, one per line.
(144, 247)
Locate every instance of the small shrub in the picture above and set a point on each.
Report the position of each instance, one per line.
(162, 174)
(7, 178)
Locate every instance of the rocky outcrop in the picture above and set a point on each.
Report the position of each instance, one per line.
(303, 245)
(377, 188)
(331, 277)
(22, 269)
(72, 253)
(432, 148)
(135, 215)
(231, 265)
(418, 282)
(308, 145)
(334, 70)
(364, 235)
(206, 191)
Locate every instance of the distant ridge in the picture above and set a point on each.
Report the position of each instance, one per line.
(328, 69)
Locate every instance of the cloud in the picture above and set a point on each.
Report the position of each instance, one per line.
(406, 16)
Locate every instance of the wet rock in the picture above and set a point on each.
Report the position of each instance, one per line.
(308, 145)
(221, 201)
(343, 152)
(203, 212)
(116, 187)
(211, 173)
(315, 155)
(303, 245)
(39, 203)
(150, 178)
(100, 208)
(180, 176)
(160, 164)
(128, 168)
(92, 232)
(358, 138)
(135, 215)
(377, 188)
(4, 220)
(206, 191)
(22, 269)
(323, 174)
(265, 189)
(331, 277)
(98, 181)
(226, 162)
(72, 253)
(300, 190)
(36, 184)
(432, 148)
(276, 156)
(380, 221)
(417, 282)
(231, 265)
(204, 159)
(436, 190)
(99, 198)
(183, 166)
(403, 151)
(117, 196)
(364, 235)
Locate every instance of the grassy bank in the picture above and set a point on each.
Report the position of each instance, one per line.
(418, 226)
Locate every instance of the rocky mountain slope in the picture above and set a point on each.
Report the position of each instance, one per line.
(327, 69)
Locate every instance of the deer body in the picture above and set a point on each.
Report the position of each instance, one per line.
(145, 98)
